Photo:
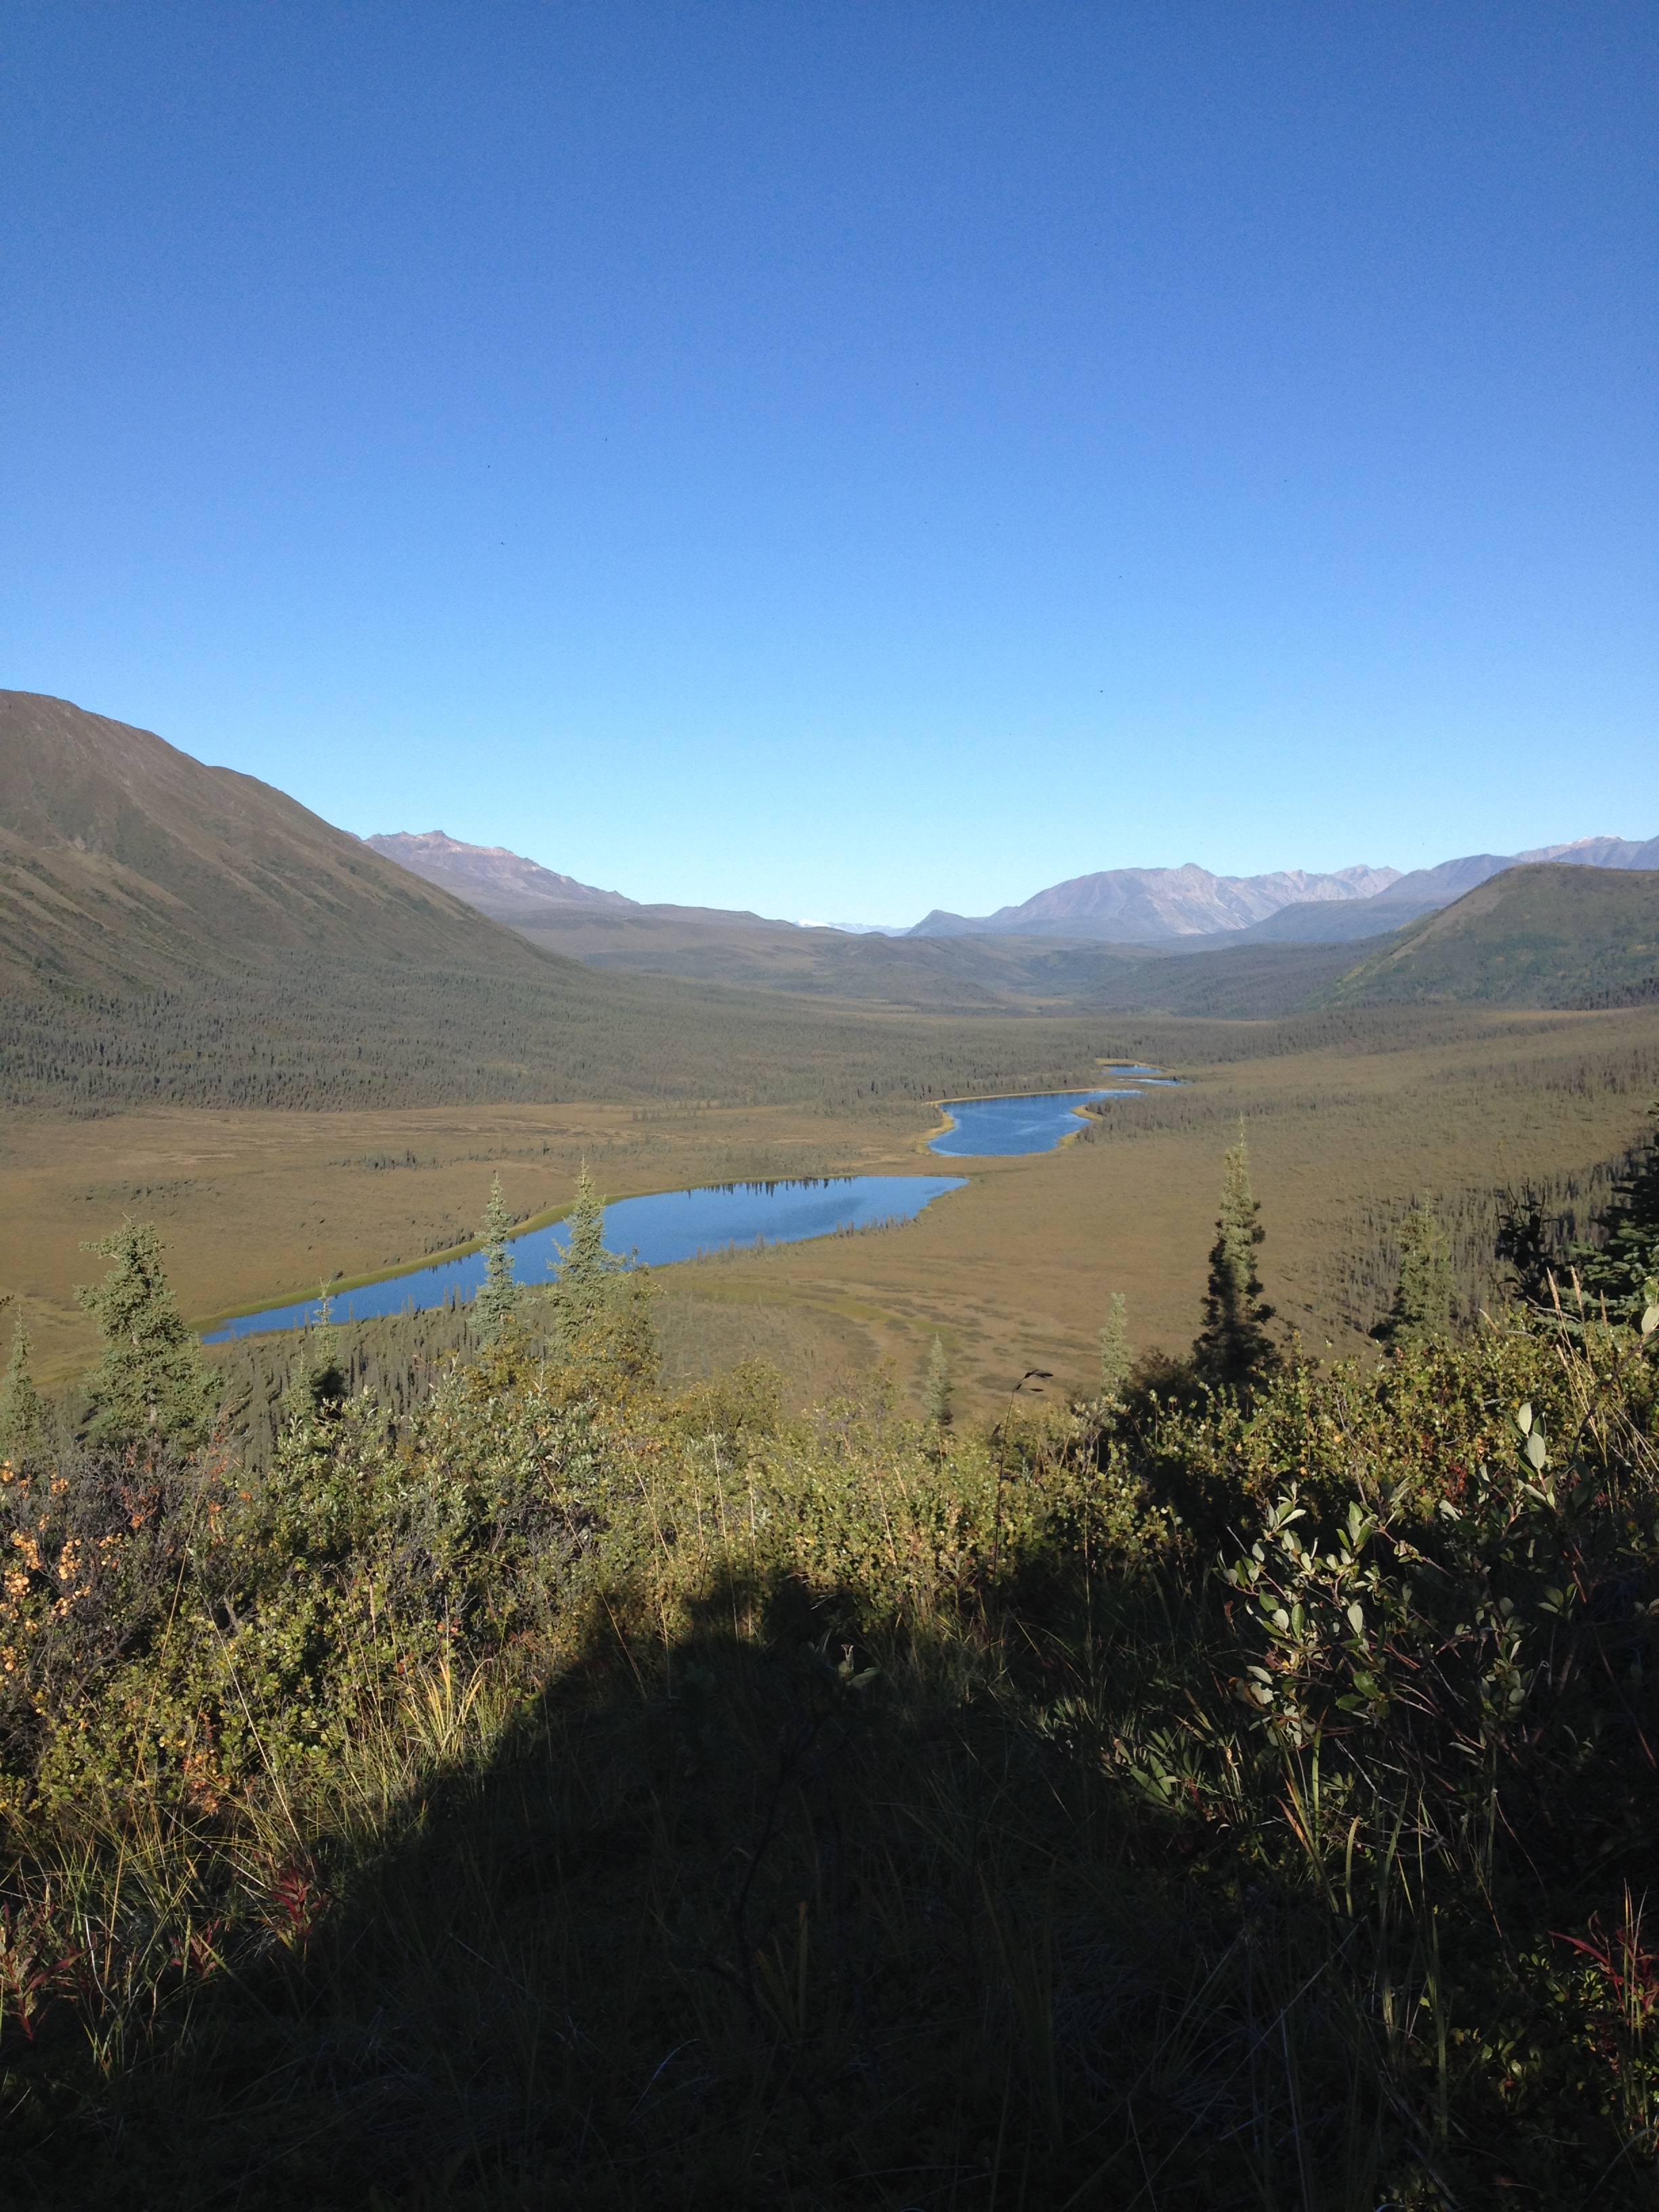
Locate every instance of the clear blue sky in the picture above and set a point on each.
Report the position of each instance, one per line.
(843, 460)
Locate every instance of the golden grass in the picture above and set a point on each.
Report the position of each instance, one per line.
(1015, 1272)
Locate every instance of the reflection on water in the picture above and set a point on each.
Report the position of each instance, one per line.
(666, 1226)
(988, 1129)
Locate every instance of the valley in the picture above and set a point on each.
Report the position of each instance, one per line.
(1349, 1115)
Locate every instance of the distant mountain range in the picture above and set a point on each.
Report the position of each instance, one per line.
(1185, 906)
(278, 960)
(1155, 906)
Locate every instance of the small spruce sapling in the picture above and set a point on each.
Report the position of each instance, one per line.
(1116, 1358)
(150, 1386)
(497, 1302)
(1621, 1275)
(936, 1388)
(586, 1271)
(1233, 1350)
(319, 1384)
(22, 1409)
(1424, 1300)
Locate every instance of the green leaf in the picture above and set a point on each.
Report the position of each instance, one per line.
(1536, 1449)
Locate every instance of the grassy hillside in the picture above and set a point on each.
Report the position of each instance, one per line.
(1545, 935)
(124, 862)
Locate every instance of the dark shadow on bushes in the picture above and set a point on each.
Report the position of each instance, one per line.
(770, 1917)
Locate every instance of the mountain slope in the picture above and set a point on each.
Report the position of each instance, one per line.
(174, 935)
(124, 861)
(1548, 934)
(498, 883)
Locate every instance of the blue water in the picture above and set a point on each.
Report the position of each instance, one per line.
(989, 1128)
(669, 1225)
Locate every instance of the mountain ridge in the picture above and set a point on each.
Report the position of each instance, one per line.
(499, 883)
(1550, 933)
(1154, 906)
(124, 861)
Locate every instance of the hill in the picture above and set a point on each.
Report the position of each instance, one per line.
(177, 934)
(503, 884)
(1011, 972)
(126, 862)
(1549, 934)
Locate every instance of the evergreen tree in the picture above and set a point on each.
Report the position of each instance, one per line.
(498, 1301)
(586, 1271)
(22, 1409)
(1116, 1357)
(1624, 1273)
(1233, 1350)
(150, 1386)
(936, 1388)
(1529, 1243)
(1425, 1303)
(318, 1383)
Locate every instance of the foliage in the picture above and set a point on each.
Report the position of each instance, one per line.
(1116, 1358)
(150, 1385)
(840, 1811)
(1622, 1273)
(936, 1386)
(1233, 1350)
(1424, 1300)
(497, 1302)
(22, 1410)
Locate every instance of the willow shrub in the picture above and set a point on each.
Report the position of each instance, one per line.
(1371, 1666)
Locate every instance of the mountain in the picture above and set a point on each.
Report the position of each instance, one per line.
(1425, 890)
(1147, 906)
(498, 883)
(124, 861)
(1154, 906)
(173, 934)
(1551, 934)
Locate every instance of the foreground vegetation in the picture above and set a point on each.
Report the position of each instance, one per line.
(1238, 1790)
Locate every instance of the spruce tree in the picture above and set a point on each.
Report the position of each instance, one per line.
(586, 1269)
(1233, 1350)
(22, 1409)
(318, 1383)
(936, 1388)
(1623, 1274)
(1116, 1357)
(1425, 1304)
(497, 1302)
(150, 1387)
